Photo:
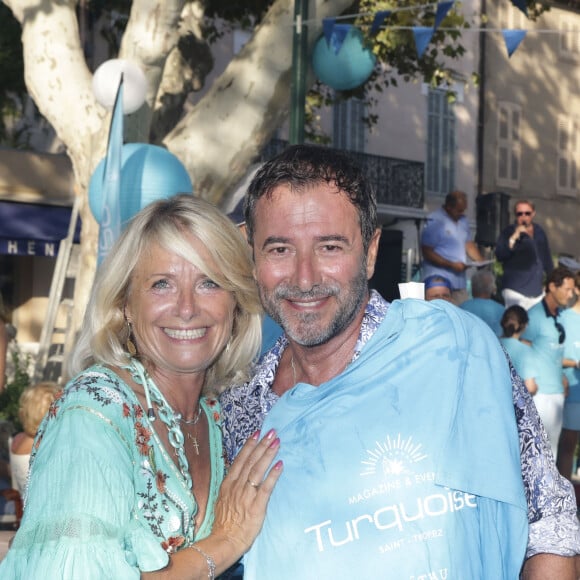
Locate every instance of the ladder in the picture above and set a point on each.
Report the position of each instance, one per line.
(53, 339)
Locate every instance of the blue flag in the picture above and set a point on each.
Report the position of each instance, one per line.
(522, 5)
(378, 20)
(339, 33)
(422, 36)
(328, 27)
(110, 224)
(442, 10)
(512, 39)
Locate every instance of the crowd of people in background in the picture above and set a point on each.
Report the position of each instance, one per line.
(536, 315)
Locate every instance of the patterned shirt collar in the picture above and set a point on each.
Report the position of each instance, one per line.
(375, 312)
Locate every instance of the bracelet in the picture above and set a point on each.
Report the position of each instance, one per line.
(209, 560)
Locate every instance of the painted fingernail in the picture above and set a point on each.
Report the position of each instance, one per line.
(275, 443)
(256, 435)
(278, 465)
(270, 434)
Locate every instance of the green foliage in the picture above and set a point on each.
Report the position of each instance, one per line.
(12, 86)
(10, 396)
(393, 44)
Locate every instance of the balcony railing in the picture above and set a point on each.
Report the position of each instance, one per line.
(397, 182)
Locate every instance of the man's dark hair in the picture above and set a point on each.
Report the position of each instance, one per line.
(452, 198)
(513, 320)
(302, 166)
(557, 277)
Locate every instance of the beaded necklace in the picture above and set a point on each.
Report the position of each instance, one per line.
(169, 418)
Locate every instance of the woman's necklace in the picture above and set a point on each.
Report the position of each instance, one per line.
(189, 423)
(168, 417)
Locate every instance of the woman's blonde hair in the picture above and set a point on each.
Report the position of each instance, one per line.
(168, 223)
(34, 403)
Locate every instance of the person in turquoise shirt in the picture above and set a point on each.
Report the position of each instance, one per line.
(128, 463)
(513, 323)
(571, 422)
(482, 304)
(547, 335)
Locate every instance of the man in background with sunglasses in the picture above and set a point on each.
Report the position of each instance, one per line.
(547, 336)
(524, 251)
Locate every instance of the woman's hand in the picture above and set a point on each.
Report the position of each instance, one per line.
(239, 514)
(245, 491)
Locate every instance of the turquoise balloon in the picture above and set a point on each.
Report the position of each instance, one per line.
(148, 173)
(348, 69)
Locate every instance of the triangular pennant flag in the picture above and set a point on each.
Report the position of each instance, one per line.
(522, 5)
(110, 224)
(378, 20)
(442, 10)
(512, 39)
(338, 35)
(328, 27)
(422, 36)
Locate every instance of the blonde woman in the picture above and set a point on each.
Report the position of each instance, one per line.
(33, 406)
(128, 465)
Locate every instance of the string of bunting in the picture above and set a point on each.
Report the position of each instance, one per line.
(335, 33)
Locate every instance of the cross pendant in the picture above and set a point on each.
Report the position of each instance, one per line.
(194, 443)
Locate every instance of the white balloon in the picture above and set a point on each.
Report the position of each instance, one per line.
(106, 83)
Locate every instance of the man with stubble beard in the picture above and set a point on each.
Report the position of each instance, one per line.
(404, 430)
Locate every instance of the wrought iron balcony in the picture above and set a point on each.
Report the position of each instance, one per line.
(398, 182)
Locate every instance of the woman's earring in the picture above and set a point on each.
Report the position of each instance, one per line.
(131, 348)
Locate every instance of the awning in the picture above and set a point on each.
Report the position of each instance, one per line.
(30, 229)
(36, 198)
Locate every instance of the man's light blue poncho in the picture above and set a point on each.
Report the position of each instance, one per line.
(404, 466)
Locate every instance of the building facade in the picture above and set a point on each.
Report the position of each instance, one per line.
(515, 132)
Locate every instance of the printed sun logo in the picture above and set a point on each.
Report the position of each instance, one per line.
(392, 457)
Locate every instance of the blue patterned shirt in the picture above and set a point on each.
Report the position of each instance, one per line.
(554, 526)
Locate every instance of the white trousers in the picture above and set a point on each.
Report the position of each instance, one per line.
(511, 297)
(551, 411)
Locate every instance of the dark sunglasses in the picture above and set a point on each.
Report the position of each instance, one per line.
(521, 213)
(561, 332)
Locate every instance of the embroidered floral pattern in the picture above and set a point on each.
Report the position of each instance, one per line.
(168, 511)
(172, 544)
(160, 479)
(142, 436)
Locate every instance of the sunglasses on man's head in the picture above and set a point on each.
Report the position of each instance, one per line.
(521, 213)
(561, 332)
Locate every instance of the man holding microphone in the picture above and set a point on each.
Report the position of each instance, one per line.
(523, 250)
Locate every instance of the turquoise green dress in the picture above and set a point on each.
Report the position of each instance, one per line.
(104, 497)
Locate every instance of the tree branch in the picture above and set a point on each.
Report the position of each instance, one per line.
(246, 104)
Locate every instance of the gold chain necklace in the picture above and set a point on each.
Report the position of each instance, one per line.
(189, 423)
(293, 368)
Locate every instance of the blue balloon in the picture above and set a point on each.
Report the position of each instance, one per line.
(148, 173)
(348, 69)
